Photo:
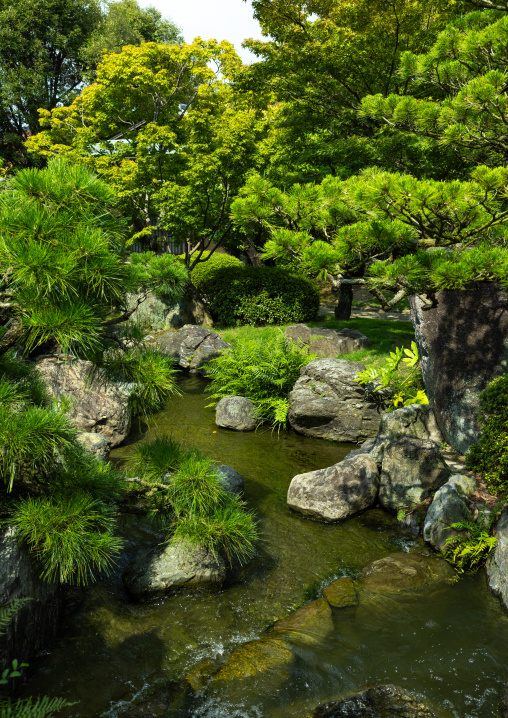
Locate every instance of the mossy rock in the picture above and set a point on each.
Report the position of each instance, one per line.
(341, 593)
(309, 624)
(405, 572)
(263, 656)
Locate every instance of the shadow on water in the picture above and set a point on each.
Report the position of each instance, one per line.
(448, 645)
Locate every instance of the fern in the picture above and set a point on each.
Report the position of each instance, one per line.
(469, 550)
(8, 612)
(32, 707)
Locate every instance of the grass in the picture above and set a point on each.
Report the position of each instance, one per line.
(384, 334)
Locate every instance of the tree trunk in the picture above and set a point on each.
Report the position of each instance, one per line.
(343, 308)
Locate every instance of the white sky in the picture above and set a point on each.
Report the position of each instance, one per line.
(220, 19)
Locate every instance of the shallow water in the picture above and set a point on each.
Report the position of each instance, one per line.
(449, 645)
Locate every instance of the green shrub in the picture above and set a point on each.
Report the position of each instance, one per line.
(183, 492)
(263, 371)
(205, 270)
(470, 548)
(490, 455)
(260, 295)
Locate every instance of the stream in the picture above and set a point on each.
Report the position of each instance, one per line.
(450, 645)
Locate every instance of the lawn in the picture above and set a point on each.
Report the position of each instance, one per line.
(385, 335)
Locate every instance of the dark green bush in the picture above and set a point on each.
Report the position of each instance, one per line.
(205, 271)
(260, 295)
(490, 455)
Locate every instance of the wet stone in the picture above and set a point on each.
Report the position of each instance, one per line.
(309, 624)
(265, 655)
(401, 572)
(341, 593)
(163, 702)
(379, 702)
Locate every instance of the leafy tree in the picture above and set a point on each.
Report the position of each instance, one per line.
(188, 140)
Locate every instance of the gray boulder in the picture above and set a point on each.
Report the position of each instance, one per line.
(327, 403)
(230, 479)
(364, 448)
(176, 565)
(448, 506)
(336, 492)
(192, 347)
(327, 342)
(411, 469)
(497, 563)
(236, 412)
(35, 625)
(157, 314)
(97, 444)
(378, 702)
(462, 344)
(415, 420)
(97, 405)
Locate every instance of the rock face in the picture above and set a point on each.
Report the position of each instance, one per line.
(411, 470)
(236, 412)
(327, 342)
(402, 572)
(327, 403)
(448, 506)
(379, 702)
(34, 627)
(97, 444)
(336, 492)
(160, 570)
(307, 625)
(497, 564)
(341, 593)
(230, 479)
(97, 404)
(463, 346)
(416, 420)
(156, 314)
(192, 347)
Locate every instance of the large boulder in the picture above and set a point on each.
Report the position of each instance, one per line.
(34, 626)
(156, 313)
(236, 412)
(327, 403)
(97, 405)
(462, 345)
(336, 492)
(448, 506)
(163, 569)
(378, 702)
(404, 572)
(192, 347)
(411, 470)
(415, 420)
(327, 342)
(497, 563)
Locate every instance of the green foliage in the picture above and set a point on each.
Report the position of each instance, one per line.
(406, 385)
(32, 707)
(469, 550)
(162, 274)
(260, 295)
(490, 455)
(184, 493)
(205, 271)
(152, 371)
(8, 612)
(70, 535)
(263, 371)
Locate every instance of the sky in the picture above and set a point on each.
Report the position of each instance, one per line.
(220, 19)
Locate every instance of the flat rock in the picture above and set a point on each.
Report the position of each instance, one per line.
(402, 572)
(462, 344)
(192, 347)
(230, 479)
(97, 444)
(163, 569)
(336, 492)
(327, 342)
(309, 624)
(341, 593)
(497, 563)
(97, 405)
(411, 470)
(236, 412)
(327, 403)
(379, 702)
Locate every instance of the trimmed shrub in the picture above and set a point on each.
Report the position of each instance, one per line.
(205, 270)
(490, 455)
(260, 295)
